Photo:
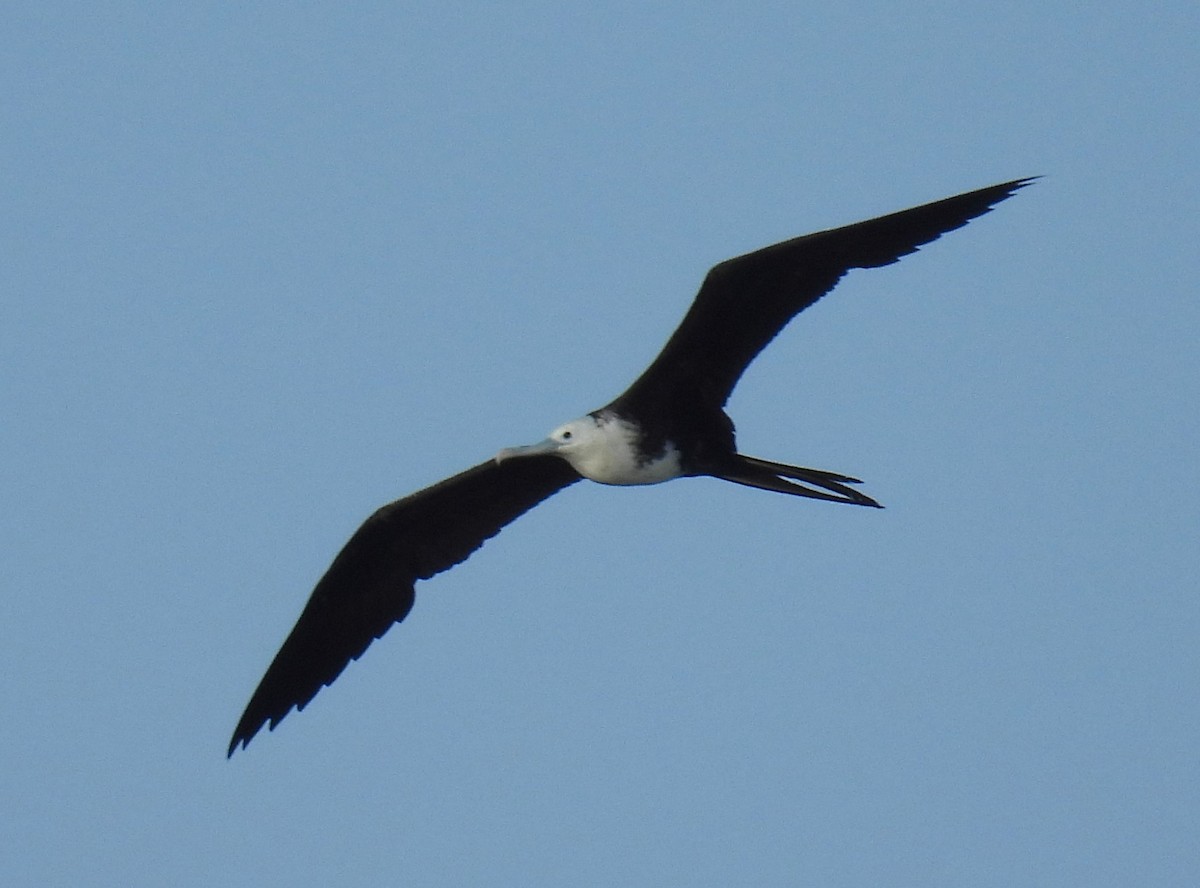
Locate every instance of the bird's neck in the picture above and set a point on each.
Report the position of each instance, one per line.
(615, 454)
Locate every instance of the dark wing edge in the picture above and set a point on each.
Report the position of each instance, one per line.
(369, 585)
(744, 302)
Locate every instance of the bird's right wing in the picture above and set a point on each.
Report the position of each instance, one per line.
(369, 586)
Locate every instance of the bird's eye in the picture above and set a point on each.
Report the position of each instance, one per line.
(566, 436)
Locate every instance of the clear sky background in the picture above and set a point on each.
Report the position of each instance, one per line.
(268, 266)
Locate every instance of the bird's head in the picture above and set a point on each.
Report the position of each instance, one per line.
(571, 441)
(603, 447)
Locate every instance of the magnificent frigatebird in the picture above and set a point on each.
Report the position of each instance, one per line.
(668, 424)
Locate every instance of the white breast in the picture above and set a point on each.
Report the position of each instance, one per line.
(605, 450)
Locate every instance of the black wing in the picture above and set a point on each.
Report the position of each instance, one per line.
(369, 586)
(744, 302)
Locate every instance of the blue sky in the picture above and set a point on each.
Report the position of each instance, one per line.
(269, 266)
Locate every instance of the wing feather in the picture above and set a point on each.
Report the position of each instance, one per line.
(369, 586)
(744, 302)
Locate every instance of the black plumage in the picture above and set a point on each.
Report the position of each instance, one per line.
(674, 412)
(369, 586)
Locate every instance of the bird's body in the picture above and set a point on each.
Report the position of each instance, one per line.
(670, 423)
(608, 448)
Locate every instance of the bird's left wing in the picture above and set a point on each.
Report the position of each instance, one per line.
(744, 302)
(369, 586)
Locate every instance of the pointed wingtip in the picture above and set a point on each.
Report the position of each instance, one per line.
(1011, 188)
(1001, 191)
(238, 740)
(244, 733)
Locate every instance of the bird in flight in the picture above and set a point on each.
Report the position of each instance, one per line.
(669, 424)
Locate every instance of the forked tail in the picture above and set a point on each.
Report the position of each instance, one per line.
(754, 472)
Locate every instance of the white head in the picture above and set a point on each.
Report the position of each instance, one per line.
(572, 441)
(602, 447)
